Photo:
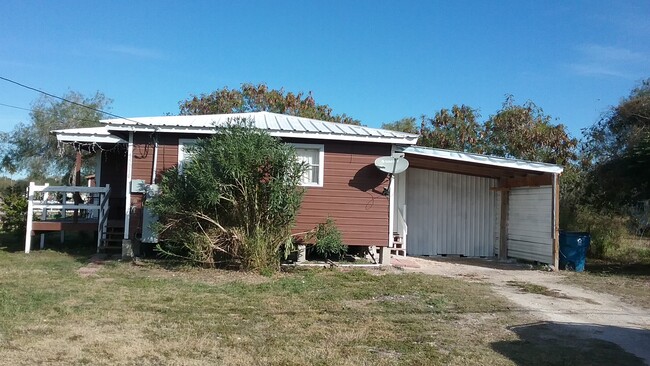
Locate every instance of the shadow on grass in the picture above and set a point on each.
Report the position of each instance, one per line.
(80, 245)
(552, 343)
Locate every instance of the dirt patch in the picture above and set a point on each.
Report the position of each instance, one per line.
(527, 287)
(549, 298)
(95, 264)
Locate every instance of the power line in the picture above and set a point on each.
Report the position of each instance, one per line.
(13, 106)
(67, 100)
(49, 112)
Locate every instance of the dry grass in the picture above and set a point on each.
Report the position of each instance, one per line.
(148, 314)
(630, 282)
(624, 273)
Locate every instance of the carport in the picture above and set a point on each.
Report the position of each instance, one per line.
(454, 203)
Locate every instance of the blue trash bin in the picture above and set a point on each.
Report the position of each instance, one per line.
(573, 250)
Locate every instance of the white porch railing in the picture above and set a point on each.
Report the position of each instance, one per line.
(52, 204)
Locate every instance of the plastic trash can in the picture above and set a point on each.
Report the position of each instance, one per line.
(573, 250)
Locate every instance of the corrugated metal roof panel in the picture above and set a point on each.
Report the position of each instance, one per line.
(284, 125)
(88, 135)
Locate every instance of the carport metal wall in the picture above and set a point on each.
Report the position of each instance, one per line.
(530, 224)
(450, 213)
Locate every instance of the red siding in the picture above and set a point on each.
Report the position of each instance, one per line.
(143, 152)
(351, 192)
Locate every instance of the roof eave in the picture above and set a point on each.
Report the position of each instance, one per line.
(80, 138)
(486, 160)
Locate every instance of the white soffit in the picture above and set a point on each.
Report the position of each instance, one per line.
(98, 135)
(279, 125)
(483, 159)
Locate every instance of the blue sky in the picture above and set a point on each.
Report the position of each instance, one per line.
(377, 61)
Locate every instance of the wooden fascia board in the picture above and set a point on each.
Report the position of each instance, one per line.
(466, 168)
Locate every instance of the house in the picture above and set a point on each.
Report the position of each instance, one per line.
(446, 203)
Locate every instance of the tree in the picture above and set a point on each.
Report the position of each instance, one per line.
(257, 98)
(515, 131)
(235, 201)
(525, 132)
(407, 124)
(617, 152)
(455, 129)
(30, 147)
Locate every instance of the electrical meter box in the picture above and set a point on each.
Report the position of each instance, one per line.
(148, 217)
(138, 186)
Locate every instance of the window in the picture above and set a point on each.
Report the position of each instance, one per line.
(312, 155)
(184, 155)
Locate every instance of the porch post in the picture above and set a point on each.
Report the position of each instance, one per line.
(98, 168)
(30, 217)
(46, 196)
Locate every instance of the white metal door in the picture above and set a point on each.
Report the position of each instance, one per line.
(450, 214)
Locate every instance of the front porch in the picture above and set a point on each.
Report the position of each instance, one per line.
(66, 208)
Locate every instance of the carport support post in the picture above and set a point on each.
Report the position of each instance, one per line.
(556, 222)
(503, 224)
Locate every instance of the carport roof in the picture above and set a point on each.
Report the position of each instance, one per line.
(475, 164)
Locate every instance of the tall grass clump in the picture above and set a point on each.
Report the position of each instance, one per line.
(234, 202)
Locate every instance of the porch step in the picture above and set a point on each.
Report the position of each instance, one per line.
(112, 241)
(399, 246)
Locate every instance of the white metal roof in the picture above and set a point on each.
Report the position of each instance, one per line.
(483, 159)
(88, 135)
(279, 125)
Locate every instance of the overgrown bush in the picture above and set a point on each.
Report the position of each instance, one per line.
(607, 230)
(236, 200)
(327, 239)
(13, 209)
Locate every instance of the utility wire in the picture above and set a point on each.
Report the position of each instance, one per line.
(51, 113)
(66, 100)
(13, 106)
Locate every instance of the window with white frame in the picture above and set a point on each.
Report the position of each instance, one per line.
(312, 155)
(183, 154)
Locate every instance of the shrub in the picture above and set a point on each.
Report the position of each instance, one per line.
(13, 209)
(235, 202)
(607, 230)
(327, 240)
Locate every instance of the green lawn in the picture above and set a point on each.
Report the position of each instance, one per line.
(152, 314)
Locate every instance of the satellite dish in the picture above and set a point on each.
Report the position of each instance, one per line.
(391, 165)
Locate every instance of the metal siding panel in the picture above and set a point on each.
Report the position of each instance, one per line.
(449, 214)
(530, 231)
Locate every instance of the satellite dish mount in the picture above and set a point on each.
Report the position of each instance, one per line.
(392, 165)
